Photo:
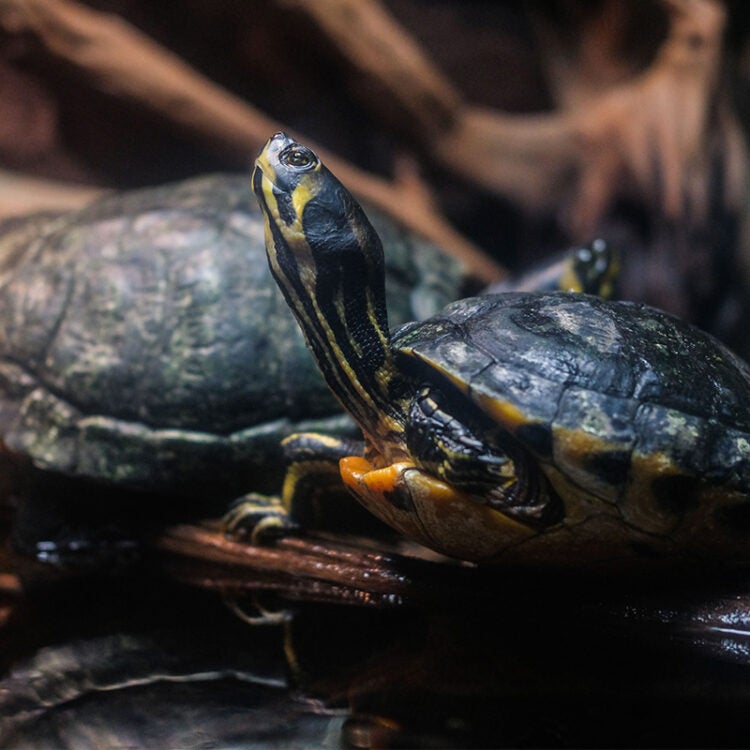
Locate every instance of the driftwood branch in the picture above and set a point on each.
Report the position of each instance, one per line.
(525, 158)
(658, 134)
(113, 57)
(331, 568)
(654, 134)
(332, 562)
(21, 194)
(387, 60)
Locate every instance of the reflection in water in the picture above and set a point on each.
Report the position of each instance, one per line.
(532, 663)
(139, 691)
(142, 666)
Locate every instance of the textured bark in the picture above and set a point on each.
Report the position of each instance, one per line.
(328, 569)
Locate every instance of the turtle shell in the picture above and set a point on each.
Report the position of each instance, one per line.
(640, 421)
(143, 342)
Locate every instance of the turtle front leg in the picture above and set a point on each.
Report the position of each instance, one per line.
(469, 493)
(312, 472)
(485, 461)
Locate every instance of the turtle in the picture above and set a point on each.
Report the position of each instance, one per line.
(539, 428)
(145, 351)
(593, 268)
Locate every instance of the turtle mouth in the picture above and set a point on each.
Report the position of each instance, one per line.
(257, 179)
(264, 171)
(277, 203)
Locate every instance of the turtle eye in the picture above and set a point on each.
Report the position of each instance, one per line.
(299, 157)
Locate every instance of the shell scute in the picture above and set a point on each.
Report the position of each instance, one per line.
(603, 416)
(535, 397)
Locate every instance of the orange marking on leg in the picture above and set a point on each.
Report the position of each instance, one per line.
(431, 511)
(359, 471)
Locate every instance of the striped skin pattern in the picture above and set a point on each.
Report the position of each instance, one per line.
(328, 261)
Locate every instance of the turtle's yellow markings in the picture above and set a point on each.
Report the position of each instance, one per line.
(301, 197)
(569, 281)
(698, 526)
(328, 441)
(579, 443)
(264, 165)
(302, 194)
(503, 412)
(572, 450)
(610, 278)
(642, 509)
(296, 473)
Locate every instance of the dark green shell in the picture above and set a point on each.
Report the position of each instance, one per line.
(143, 342)
(635, 384)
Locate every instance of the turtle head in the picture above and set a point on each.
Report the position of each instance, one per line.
(311, 212)
(328, 261)
(593, 269)
(286, 176)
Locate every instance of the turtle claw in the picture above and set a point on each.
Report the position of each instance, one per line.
(259, 519)
(257, 613)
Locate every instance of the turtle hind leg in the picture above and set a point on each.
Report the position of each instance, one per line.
(312, 474)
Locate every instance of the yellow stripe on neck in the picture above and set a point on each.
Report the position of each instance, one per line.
(300, 198)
